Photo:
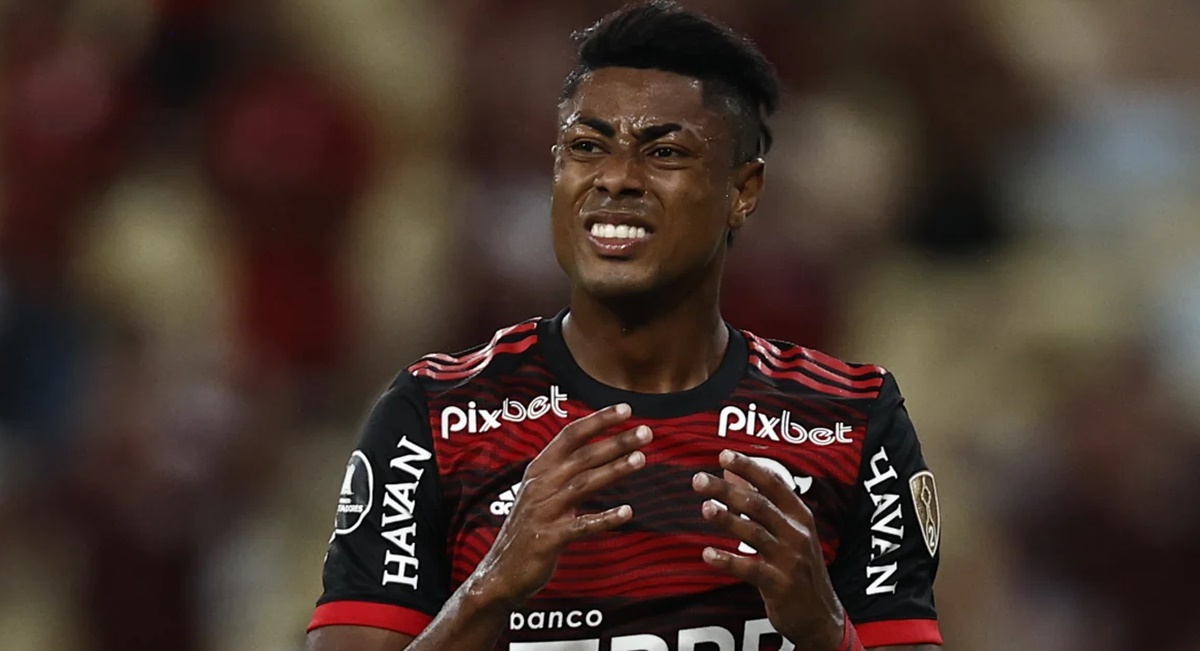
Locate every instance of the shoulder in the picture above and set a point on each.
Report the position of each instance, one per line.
(798, 368)
(405, 404)
(442, 370)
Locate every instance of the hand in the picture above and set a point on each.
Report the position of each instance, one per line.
(545, 517)
(789, 568)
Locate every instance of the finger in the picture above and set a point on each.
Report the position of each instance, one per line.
(595, 523)
(745, 530)
(766, 482)
(736, 481)
(585, 484)
(578, 432)
(601, 452)
(745, 501)
(754, 571)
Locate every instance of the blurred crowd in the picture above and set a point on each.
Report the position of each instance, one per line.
(225, 225)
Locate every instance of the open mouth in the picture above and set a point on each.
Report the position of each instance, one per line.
(617, 235)
(618, 232)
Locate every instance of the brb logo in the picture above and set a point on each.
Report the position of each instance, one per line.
(754, 423)
(475, 420)
(754, 635)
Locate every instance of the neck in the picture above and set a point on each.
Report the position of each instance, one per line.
(662, 343)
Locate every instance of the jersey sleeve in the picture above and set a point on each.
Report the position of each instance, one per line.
(387, 566)
(889, 554)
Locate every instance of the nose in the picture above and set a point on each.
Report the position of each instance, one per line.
(620, 175)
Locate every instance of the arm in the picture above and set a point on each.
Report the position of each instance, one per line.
(523, 558)
(890, 551)
(544, 520)
(468, 621)
(385, 573)
(356, 638)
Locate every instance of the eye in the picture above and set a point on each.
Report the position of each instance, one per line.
(663, 151)
(584, 147)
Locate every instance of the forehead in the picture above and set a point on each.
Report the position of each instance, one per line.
(631, 97)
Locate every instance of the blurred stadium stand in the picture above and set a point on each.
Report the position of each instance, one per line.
(224, 226)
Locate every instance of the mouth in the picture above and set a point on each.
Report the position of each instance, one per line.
(617, 235)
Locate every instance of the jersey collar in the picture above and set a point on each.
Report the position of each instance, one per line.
(707, 396)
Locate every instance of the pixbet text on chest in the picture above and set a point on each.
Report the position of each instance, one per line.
(754, 423)
(474, 419)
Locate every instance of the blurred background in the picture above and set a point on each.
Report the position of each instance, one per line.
(226, 224)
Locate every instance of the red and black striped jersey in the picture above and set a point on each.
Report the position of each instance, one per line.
(442, 454)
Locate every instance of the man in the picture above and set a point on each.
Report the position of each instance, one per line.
(634, 474)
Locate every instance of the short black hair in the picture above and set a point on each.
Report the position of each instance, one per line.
(662, 35)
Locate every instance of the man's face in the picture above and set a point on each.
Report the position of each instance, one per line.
(644, 186)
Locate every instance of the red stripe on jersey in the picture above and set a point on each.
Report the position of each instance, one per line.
(807, 360)
(450, 362)
(367, 613)
(836, 366)
(526, 328)
(834, 363)
(899, 631)
(839, 365)
(759, 362)
(427, 368)
(803, 362)
(457, 372)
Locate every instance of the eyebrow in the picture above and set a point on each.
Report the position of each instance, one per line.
(647, 134)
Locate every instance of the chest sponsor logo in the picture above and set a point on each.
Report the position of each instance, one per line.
(400, 562)
(754, 635)
(925, 503)
(752, 422)
(887, 525)
(354, 501)
(474, 420)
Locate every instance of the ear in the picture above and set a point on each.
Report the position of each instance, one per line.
(747, 187)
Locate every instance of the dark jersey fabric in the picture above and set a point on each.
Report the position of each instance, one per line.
(443, 451)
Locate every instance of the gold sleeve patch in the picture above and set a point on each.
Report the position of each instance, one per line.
(925, 501)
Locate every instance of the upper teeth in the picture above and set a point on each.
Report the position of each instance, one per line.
(613, 231)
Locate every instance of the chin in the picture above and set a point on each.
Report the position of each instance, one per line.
(617, 285)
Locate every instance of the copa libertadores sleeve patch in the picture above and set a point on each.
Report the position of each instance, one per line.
(925, 505)
(356, 497)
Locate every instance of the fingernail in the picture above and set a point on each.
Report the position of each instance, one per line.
(624, 511)
(726, 457)
(643, 433)
(623, 409)
(701, 480)
(637, 459)
(710, 554)
(708, 508)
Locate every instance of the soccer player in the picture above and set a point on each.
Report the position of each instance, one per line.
(634, 474)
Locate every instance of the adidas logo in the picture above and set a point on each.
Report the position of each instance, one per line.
(503, 504)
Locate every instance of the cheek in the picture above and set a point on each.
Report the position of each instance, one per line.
(566, 196)
(559, 168)
(700, 206)
(567, 188)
